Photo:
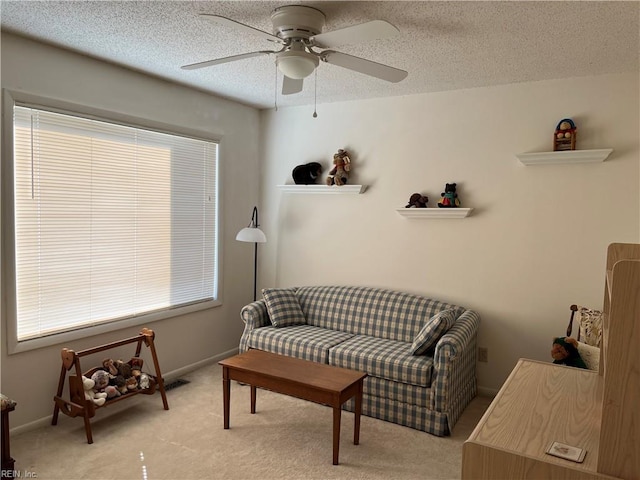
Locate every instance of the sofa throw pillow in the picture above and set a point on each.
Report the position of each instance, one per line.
(431, 332)
(283, 307)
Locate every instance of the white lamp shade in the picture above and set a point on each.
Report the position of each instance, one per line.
(296, 64)
(251, 234)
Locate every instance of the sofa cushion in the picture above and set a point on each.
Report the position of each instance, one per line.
(383, 358)
(431, 332)
(369, 311)
(300, 341)
(283, 307)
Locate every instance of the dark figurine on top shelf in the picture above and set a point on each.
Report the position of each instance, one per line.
(449, 197)
(306, 174)
(564, 138)
(417, 200)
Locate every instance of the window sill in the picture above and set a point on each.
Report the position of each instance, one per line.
(66, 337)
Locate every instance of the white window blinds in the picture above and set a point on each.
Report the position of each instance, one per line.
(111, 221)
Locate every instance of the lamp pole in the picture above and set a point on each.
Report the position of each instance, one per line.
(255, 224)
(255, 270)
(253, 234)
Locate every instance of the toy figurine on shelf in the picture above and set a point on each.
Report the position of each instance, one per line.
(564, 137)
(417, 200)
(341, 168)
(306, 174)
(449, 197)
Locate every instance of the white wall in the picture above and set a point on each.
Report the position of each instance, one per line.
(31, 378)
(537, 239)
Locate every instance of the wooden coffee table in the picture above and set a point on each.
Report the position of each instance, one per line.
(303, 379)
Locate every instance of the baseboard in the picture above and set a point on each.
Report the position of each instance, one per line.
(27, 427)
(173, 374)
(168, 376)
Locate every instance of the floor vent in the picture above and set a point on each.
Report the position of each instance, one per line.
(175, 384)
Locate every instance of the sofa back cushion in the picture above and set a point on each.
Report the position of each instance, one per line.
(369, 311)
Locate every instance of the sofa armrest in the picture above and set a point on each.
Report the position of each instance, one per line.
(454, 367)
(254, 315)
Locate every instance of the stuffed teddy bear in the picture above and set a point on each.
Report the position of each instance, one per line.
(90, 394)
(339, 174)
(449, 197)
(101, 380)
(564, 351)
(417, 201)
(306, 174)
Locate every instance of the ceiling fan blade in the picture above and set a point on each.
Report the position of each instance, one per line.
(240, 26)
(291, 86)
(220, 61)
(358, 33)
(378, 70)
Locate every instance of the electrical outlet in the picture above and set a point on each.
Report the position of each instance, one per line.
(483, 354)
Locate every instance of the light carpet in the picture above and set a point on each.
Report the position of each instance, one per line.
(287, 438)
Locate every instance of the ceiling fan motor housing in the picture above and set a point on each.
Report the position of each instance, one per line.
(296, 21)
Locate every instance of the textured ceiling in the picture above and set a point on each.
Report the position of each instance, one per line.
(443, 45)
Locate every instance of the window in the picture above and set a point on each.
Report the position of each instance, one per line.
(111, 222)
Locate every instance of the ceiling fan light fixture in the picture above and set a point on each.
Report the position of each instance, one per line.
(296, 64)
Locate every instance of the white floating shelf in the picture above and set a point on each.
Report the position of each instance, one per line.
(324, 189)
(434, 212)
(567, 156)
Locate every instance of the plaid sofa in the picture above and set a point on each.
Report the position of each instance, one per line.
(372, 330)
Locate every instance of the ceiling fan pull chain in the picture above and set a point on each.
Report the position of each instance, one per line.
(275, 92)
(315, 94)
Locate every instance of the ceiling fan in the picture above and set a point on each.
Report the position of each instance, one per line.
(297, 29)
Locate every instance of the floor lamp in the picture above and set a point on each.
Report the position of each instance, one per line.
(253, 234)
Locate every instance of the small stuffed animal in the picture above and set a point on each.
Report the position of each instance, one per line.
(120, 383)
(564, 351)
(136, 366)
(109, 366)
(449, 197)
(112, 391)
(90, 394)
(144, 380)
(339, 174)
(417, 201)
(101, 380)
(124, 369)
(306, 174)
(132, 383)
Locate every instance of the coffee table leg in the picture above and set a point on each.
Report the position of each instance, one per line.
(357, 412)
(336, 433)
(253, 399)
(226, 394)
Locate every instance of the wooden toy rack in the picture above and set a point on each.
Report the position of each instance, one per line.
(77, 405)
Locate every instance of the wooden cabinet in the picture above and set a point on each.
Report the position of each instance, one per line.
(597, 411)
